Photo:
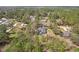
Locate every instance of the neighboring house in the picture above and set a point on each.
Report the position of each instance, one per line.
(19, 25)
(32, 18)
(65, 28)
(59, 22)
(45, 21)
(66, 34)
(4, 21)
(8, 30)
(66, 31)
(42, 30)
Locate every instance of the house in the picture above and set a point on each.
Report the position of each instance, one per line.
(66, 34)
(59, 22)
(45, 21)
(4, 21)
(65, 28)
(8, 30)
(32, 18)
(19, 25)
(66, 31)
(41, 30)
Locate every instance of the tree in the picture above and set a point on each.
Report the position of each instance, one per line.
(3, 34)
(75, 28)
(75, 38)
(4, 38)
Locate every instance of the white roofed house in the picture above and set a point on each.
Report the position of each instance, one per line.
(9, 29)
(32, 18)
(4, 21)
(44, 21)
(19, 25)
(59, 21)
(0, 22)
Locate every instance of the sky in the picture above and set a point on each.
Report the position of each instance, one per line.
(39, 2)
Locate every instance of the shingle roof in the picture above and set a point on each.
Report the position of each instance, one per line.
(41, 30)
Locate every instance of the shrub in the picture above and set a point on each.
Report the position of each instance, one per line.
(76, 49)
(76, 28)
(75, 38)
(55, 29)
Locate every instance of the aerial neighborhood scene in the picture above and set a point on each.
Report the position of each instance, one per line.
(39, 29)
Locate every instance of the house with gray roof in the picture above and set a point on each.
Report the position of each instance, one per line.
(41, 30)
(66, 34)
